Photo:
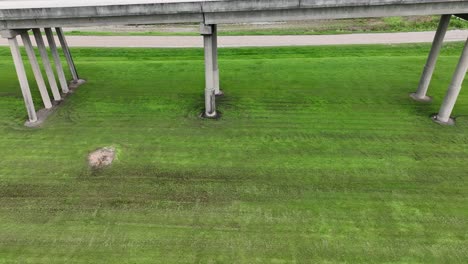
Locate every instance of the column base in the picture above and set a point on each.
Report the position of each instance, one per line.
(42, 115)
(450, 122)
(216, 115)
(425, 99)
(219, 94)
(75, 84)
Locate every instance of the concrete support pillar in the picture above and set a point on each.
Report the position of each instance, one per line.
(57, 62)
(46, 62)
(210, 97)
(420, 94)
(218, 91)
(443, 117)
(36, 69)
(68, 56)
(23, 79)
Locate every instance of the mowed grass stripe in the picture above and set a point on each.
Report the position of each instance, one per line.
(320, 156)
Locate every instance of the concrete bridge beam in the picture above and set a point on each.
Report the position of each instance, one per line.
(421, 93)
(444, 115)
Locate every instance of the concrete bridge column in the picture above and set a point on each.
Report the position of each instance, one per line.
(36, 69)
(21, 72)
(210, 92)
(218, 91)
(68, 56)
(420, 94)
(443, 117)
(46, 62)
(57, 62)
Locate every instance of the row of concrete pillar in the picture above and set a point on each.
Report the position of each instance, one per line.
(12, 36)
(212, 87)
(444, 115)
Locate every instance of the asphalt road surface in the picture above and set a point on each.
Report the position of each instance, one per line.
(258, 41)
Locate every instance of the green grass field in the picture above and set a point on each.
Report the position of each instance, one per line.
(320, 156)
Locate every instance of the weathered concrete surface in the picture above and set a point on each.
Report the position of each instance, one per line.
(421, 93)
(23, 79)
(258, 41)
(66, 51)
(57, 61)
(444, 115)
(46, 63)
(210, 92)
(36, 69)
(55, 13)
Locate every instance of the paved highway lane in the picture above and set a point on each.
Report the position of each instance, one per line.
(258, 41)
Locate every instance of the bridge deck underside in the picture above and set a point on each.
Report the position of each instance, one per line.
(52, 13)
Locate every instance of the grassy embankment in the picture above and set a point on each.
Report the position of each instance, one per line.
(320, 156)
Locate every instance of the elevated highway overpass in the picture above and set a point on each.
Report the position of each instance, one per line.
(17, 18)
(59, 13)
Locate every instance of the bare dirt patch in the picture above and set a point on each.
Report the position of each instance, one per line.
(101, 158)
